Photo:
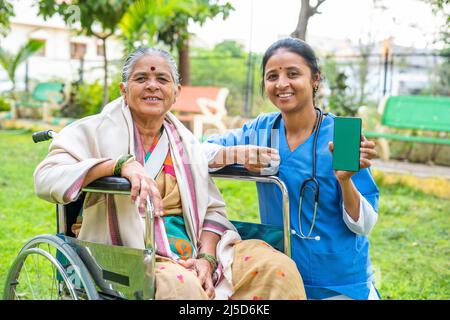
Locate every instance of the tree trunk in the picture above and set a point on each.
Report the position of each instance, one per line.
(302, 23)
(184, 63)
(105, 78)
(306, 12)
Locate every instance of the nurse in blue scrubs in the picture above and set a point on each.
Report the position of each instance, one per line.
(330, 248)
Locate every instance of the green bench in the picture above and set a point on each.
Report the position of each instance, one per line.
(418, 116)
(45, 97)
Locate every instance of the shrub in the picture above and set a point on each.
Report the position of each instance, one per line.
(4, 104)
(85, 100)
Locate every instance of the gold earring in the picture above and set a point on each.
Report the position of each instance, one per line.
(316, 88)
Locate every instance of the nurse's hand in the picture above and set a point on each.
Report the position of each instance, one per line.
(367, 153)
(255, 158)
(252, 157)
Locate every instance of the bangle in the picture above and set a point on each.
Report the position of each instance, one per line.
(120, 162)
(210, 258)
(128, 161)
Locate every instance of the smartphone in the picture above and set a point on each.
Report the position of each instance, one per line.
(347, 141)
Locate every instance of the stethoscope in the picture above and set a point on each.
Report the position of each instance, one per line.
(310, 183)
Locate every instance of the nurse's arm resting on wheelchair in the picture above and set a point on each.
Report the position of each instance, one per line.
(199, 253)
(330, 228)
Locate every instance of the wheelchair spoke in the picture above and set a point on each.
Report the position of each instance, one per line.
(37, 271)
(16, 295)
(29, 282)
(53, 274)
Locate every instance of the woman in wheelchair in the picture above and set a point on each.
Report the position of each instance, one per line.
(200, 255)
(332, 249)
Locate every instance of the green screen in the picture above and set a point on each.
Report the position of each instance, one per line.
(347, 140)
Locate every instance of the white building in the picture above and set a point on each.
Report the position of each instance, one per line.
(61, 55)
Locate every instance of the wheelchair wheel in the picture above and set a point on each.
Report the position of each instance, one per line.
(47, 268)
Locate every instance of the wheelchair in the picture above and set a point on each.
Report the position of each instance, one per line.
(62, 267)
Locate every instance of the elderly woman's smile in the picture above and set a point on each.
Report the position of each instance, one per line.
(151, 99)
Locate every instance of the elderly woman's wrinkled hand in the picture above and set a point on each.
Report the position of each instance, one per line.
(204, 273)
(142, 185)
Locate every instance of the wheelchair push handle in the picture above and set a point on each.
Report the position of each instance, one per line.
(43, 135)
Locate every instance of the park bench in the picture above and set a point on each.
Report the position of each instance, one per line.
(197, 106)
(45, 97)
(35, 113)
(423, 119)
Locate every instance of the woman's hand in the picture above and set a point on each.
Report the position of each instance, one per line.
(367, 153)
(254, 158)
(204, 273)
(142, 185)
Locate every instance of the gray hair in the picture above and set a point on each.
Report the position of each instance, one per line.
(148, 51)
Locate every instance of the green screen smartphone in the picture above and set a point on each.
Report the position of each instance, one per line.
(347, 140)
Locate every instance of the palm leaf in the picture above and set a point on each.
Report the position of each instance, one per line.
(144, 18)
(25, 51)
(6, 59)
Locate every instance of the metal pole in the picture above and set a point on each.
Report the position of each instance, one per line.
(81, 71)
(249, 91)
(391, 79)
(150, 250)
(249, 86)
(27, 88)
(386, 65)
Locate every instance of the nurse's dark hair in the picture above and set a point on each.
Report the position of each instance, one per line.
(296, 46)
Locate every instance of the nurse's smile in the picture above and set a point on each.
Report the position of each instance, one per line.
(285, 96)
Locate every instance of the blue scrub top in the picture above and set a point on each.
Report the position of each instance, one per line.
(339, 262)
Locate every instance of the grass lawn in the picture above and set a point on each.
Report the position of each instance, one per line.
(409, 246)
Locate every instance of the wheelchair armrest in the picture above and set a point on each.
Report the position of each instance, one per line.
(240, 170)
(111, 184)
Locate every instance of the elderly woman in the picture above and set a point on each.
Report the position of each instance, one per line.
(199, 253)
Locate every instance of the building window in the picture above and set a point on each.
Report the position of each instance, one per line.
(100, 51)
(77, 50)
(41, 52)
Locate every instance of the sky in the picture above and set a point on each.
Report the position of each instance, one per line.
(340, 19)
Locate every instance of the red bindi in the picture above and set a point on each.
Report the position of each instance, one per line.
(152, 68)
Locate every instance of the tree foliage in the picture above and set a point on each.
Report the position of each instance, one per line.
(166, 21)
(340, 100)
(442, 6)
(98, 18)
(440, 79)
(6, 12)
(144, 19)
(176, 32)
